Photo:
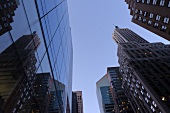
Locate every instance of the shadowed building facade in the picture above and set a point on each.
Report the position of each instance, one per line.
(74, 103)
(7, 8)
(77, 102)
(145, 69)
(153, 15)
(121, 103)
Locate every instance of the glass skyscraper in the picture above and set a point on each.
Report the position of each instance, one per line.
(104, 96)
(49, 20)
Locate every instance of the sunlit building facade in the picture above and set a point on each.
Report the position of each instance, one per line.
(145, 68)
(153, 15)
(104, 96)
(49, 20)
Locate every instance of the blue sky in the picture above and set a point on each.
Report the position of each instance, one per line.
(94, 49)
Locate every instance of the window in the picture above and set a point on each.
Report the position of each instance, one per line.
(163, 28)
(146, 99)
(158, 17)
(166, 20)
(148, 1)
(162, 3)
(5, 6)
(3, 18)
(154, 2)
(151, 15)
(8, 15)
(5, 24)
(135, 17)
(153, 109)
(140, 18)
(18, 102)
(148, 95)
(143, 1)
(144, 20)
(136, 11)
(154, 104)
(163, 98)
(20, 106)
(140, 12)
(169, 4)
(9, 4)
(156, 25)
(14, 110)
(149, 22)
(145, 14)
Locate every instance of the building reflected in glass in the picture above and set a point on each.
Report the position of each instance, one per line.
(51, 52)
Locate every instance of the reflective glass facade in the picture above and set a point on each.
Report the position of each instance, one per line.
(104, 97)
(48, 19)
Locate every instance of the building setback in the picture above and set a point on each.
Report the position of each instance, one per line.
(153, 15)
(145, 68)
(121, 103)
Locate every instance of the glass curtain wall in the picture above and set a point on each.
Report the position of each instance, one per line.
(49, 21)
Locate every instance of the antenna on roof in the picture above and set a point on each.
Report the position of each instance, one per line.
(116, 26)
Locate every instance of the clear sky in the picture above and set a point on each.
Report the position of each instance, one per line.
(94, 49)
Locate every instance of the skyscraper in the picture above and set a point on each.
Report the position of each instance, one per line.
(77, 101)
(74, 103)
(145, 68)
(48, 19)
(153, 15)
(121, 103)
(104, 96)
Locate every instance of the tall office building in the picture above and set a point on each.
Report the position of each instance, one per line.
(48, 19)
(145, 68)
(77, 102)
(74, 103)
(121, 103)
(153, 15)
(104, 96)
